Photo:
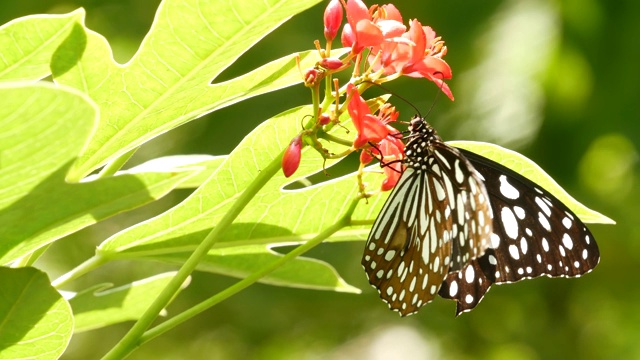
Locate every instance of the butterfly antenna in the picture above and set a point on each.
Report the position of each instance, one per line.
(396, 95)
(435, 99)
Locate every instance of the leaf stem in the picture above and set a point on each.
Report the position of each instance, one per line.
(344, 221)
(132, 339)
(85, 267)
(335, 139)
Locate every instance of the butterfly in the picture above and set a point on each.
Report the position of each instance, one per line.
(457, 222)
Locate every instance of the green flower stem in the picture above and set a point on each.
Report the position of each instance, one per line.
(344, 221)
(132, 339)
(335, 139)
(117, 164)
(85, 267)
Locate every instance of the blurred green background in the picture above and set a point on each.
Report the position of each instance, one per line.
(558, 81)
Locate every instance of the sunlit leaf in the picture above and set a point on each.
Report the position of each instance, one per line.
(35, 321)
(168, 81)
(43, 129)
(274, 216)
(103, 305)
(27, 44)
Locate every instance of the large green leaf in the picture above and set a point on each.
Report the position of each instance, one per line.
(274, 216)
(43, 129)
(529, 169)
(240, 261)
(35, 321)
(29, 43)
(168, 81)
(103, 305)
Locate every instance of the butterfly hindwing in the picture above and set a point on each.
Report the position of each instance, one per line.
(534, 234)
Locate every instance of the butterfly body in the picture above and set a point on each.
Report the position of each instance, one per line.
(456, 223)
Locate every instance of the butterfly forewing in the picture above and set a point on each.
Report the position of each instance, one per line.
(535, 234)
(436, 220)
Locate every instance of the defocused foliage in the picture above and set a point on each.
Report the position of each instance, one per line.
(555, 80)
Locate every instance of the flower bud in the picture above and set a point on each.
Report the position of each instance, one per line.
(332, 19)
(324, 119)
(291, 157)
(331, 63)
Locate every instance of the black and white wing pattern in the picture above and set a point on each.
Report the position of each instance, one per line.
(435, 221)
(534, 234)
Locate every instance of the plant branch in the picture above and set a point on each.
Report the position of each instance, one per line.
(344, 221)
(85, 267)
(132, 339)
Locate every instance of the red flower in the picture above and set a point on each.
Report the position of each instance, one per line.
(392, 149)
(363, 31)
(332, 19)
(375, 130)
(419, 56)
(291, 157)
(370, 128)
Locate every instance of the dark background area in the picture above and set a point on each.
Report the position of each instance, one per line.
(555, 80)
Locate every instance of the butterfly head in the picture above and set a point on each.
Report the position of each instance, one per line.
(419, 127)
(420, 140)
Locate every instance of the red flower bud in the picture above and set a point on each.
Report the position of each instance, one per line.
(291, 157)
(311, 77)
(331, 63)
(324, 119)
(332, 19)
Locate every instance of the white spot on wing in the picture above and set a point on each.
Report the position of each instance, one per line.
(389, 255)
(524, 245)
(513, 251)
(507, 189)
(469, 274)
(509, 222)
(495, 241)
(544, 222)
(567, 242)
(543, 206)
(453, 289)
(545, 244)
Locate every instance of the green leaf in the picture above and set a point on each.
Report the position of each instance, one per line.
(187, 223)
(168, 81)
(43, 129)
(29, 43)
(240, 261)
(103, 305)
(529, 169)
(35, 321)
(202, 166)
(274, 217)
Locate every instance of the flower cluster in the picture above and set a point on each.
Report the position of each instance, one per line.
(381, 49)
